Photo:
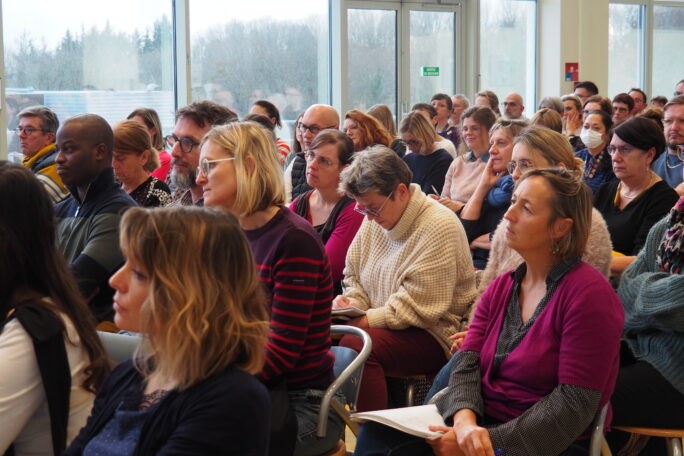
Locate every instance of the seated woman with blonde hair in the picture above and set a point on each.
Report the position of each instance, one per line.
(187, 288)
(240, 173)
(540, 359)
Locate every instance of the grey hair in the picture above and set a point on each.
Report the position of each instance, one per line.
(461, 96)
(377, 168)
(49, 122)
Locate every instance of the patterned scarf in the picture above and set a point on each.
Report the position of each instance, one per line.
(670, 257)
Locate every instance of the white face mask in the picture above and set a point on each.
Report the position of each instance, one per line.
(591, 138)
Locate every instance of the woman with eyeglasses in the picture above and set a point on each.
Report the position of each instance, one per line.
(329, 211)
(239, 172)
(533, 148)
(133, 158)
(542, 353)
(428, 162)
(596, 134)
(187, 287)
(639, 198)
(484, 210)
(408, 268)
(464, 172)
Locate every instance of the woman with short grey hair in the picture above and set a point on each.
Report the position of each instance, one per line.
(408, 268)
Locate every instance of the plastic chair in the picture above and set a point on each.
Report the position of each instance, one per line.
(119, 347)
(597, 444)
(348, 370)
(673, 437)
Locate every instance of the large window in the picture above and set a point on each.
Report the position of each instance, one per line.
(77, 57)
(668, 49)
(372, 57)
(625, 47)
(270, 49)
(508, 48)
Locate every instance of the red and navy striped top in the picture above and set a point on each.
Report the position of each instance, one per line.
(294, 268)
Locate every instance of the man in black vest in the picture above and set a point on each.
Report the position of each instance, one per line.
(316, 118)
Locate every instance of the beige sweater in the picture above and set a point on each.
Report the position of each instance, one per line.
(597, 253)
(419, 273)
(461, 178)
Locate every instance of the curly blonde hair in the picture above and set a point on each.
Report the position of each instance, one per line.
(205, 309)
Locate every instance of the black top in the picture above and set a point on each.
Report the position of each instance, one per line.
(429, 170)
(227, 413)
(629, 227)
(152, 193)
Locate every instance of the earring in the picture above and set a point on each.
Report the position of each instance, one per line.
(555, 248)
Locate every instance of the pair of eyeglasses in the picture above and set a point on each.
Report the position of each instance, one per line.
(323, 162)
(186, 144)
(522, 165)
(206, 165)
(624, 150)
(312, 128)
(509, 103)
(620, 109)
(28, 131)
(365, 211)
(413, 143)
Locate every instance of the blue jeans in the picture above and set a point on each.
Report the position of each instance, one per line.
(441, 381)
(306, 405)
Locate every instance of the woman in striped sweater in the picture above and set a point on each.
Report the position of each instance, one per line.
(239, 172)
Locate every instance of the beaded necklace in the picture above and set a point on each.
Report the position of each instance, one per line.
(594, 162)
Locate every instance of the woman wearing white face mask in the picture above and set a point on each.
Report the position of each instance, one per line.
(596, 136)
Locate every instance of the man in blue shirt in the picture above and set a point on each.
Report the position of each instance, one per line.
(670, 166)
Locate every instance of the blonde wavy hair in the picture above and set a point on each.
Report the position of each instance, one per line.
(420, 128)
(131, 137)
(205, 309)
(260, 182)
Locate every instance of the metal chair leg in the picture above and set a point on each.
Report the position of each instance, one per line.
(674, 446)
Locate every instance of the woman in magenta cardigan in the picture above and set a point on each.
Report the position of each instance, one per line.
(330, 212)
(541, 355)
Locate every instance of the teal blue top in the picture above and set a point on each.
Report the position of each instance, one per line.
(654, 311)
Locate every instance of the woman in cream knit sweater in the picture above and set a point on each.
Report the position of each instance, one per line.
(409, 268)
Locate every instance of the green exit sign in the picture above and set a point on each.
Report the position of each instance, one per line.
(430, 71)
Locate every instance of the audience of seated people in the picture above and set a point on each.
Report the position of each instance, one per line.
(484, 210)
(463, 174)
(239, 172)
(408, 268)
(51, 360)
(428, 161)
(406, 264)
(534, 148)
(150, 119)
(384, 115)
(190, 389)
(540, 359)
(596, 135)
(133, 158)
(328, 210)
(639, 198)
(365, 130)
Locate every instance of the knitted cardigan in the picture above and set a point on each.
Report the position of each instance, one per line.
(654, 311)
(598, 253)
(419, 273)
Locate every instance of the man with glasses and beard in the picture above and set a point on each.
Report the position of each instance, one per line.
(192, 122)
(670, 166)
